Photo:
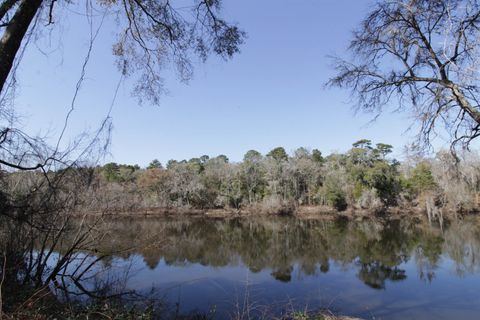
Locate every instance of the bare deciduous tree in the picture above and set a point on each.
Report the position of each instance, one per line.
(151, 34)
(424, 56)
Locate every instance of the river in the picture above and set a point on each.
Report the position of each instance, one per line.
(249, 267)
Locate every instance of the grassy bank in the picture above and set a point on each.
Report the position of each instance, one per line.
(47, 307)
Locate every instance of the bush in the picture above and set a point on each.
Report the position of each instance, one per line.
(336, 198)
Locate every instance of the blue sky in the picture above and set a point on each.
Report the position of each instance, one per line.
(270, 95)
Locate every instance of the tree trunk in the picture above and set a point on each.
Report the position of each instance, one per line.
(13, 36)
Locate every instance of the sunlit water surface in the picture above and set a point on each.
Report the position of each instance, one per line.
(373, 270)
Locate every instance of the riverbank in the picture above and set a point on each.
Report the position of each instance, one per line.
(107, 312)
(301, 212)
(43, 304)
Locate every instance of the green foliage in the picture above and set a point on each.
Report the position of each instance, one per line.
(278, 154)
(421, 179)
(252, 156)
(383, 177)
(369, 169)
(333, 194)
(223, 158)
(317, 156)
(111, 171)
(358, 190)
(114, 172)
(383, 149)
(335, 197)
(155, 164)
(363, 144)
(361, 156)
(196, 165)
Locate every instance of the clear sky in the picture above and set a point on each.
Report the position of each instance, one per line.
(272, 94)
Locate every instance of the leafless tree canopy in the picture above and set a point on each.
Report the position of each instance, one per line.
(155, 32)
(421, 56)
(151, 33)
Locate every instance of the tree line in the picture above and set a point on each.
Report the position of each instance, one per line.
(364, 177)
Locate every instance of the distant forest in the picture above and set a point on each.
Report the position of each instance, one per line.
(365, 177)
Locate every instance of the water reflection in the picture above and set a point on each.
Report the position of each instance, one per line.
(376, 249)
(392, 269)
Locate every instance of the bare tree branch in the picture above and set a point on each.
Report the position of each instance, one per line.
(397, 56)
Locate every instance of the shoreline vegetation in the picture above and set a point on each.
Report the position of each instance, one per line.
(364, 181)
(50, 309)
(303, 212)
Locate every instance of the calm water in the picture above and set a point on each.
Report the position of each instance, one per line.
(374, 270)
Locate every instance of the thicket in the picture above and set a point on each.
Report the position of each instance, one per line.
(365, 177)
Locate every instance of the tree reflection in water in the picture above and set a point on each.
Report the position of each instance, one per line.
(376, 249)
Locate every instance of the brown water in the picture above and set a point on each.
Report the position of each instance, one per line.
(373, 270)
